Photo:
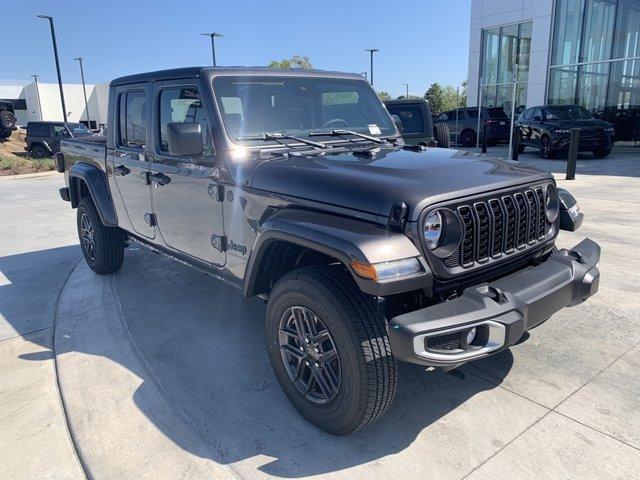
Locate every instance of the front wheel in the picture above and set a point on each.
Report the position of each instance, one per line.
(328, 346)
(601, 152)
(39, 151)
(102, 247)
(468, 138)
(546, 149)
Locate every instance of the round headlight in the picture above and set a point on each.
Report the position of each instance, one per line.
(432, 229)
(552, 204)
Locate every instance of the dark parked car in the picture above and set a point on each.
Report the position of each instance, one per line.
(415, 115)
(626, 122)
(495, 118)
(43, 138)
(7, 119)
(548, 128)
(295, 186)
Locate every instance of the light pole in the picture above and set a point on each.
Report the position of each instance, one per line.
(407, 87)
(84, 90)
(55, 53)
(371, 51)
(35, 79)
(213, 36)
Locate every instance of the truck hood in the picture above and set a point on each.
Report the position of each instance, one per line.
(374, 184)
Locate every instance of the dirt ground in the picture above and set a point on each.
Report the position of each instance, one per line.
(14, 160)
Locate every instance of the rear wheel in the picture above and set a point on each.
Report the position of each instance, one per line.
(329, 349)
(601, 152)
(546, 149)
(468, 138)
(102, 247)
(39, 151)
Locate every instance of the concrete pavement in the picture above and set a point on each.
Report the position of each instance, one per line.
(164, 374)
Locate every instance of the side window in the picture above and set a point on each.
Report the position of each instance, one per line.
(411, 118)
(537, 114)
(183, 104)
(133, 119)
(442, 117)
(472, 113)
(59, 131)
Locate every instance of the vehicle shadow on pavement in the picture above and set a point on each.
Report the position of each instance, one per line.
(203, 345)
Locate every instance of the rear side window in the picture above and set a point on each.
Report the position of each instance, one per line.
(133, 119)
(38, 129)
(497, 113)
(183, 104)
(411, 118)
(473, 113)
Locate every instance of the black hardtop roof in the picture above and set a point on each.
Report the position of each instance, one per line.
(61, 122)
(191, 72)
(405, 101)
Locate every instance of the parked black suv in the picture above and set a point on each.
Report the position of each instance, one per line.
(295, 186)
(495, 118)
(43, 138)
(415, 116)
(548, 127)
(7, 119)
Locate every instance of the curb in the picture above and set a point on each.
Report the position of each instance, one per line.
(28, 175)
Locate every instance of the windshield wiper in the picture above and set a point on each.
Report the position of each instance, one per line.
(342, 133)
(280, 136)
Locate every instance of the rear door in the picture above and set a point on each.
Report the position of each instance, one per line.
(58, 133)
(129, 161)
(186, 190)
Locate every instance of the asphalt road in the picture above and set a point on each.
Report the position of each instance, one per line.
(163, 372)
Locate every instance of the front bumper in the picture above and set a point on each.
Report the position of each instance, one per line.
(585, 144)
(500, 311)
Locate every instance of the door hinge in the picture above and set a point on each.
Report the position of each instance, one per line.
(216, 192)
(219, 242)
(150, 218)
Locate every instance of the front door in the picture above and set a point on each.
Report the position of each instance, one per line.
(129, 161)
(186, 191)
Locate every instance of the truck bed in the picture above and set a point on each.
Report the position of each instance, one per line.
(87, 149)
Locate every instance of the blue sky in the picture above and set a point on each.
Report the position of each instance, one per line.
(420, 41)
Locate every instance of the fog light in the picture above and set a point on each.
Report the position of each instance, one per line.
(471, 335)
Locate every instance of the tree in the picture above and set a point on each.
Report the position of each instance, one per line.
(384, 96)
(436, 97)
(296, 61)
(446, 98)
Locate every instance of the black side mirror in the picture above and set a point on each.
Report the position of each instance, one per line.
(185, 139)
(570, 216)
(398, 122)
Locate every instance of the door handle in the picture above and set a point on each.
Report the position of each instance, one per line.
(121, 171)
(160, 178)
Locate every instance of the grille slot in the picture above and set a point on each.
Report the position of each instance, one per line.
(447, 341)
(498, 226)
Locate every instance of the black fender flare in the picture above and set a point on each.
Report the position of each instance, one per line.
(96, 182)
(43, 143)
(346, 240)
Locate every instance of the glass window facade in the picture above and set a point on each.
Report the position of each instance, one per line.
(502, 49)
(595, 61)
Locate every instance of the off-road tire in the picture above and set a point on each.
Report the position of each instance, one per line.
(39, 151)
(443, 135)
(108, 241)
(357, 326)
(7, 120)
(601, 152)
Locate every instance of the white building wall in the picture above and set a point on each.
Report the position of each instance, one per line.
(495, 13)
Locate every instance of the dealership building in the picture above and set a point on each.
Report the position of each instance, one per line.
(41, 102)
(584, 52)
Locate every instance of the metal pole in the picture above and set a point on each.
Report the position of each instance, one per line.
(35, 79)
(573, 154)
(55, 53)
(479, 112)
(457, 110)
(213, 36)
(84, 90)
(484, 137)
(407, 94)
(371, 50)
(513, 108)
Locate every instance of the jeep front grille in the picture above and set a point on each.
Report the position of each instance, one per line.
(498, 226)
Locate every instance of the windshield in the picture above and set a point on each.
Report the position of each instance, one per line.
(78, 129)
(573, 112)
(298, 106)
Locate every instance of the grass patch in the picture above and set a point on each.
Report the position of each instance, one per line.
(14, 165)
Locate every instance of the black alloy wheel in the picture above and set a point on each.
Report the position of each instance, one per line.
(309, 355)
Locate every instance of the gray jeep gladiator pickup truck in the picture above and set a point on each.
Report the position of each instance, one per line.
(295, 186)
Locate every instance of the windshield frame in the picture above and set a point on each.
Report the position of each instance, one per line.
(274, 75)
